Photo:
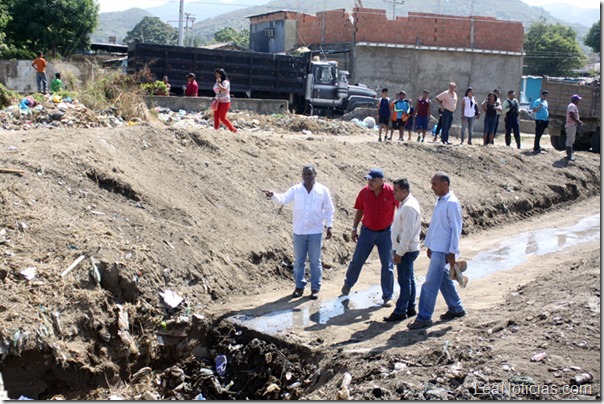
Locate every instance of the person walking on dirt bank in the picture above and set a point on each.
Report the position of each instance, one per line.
(405, 248)
(573, 123)
(312, 208)
(222, 89)
(375, 206)
(442, 241)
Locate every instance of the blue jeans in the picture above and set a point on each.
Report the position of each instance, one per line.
(447, 121)
(41, 82)
(368, 239)
(437, 278)
(308, 245)
(406, 281)
(467, 123)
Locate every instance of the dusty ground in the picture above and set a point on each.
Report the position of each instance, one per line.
(159, 208)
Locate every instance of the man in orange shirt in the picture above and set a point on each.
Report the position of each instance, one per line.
(41, 81)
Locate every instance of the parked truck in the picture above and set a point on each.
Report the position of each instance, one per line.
(559, 96)
(310, 85)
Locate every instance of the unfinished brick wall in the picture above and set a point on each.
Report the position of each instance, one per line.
(372, 25)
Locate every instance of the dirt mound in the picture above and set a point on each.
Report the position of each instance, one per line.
(154, 209)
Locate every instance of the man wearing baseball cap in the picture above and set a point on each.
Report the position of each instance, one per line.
(573, 123)
(375, 206)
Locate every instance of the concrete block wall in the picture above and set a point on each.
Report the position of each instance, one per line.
(433, 70)
(372, 25)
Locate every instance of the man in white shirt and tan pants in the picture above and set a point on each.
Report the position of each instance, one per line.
(313, 208)
(405, 245)
(442, 241)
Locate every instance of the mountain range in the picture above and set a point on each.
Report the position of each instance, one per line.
(211, 16)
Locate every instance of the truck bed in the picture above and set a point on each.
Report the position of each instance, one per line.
(560, 93)
(251, 73)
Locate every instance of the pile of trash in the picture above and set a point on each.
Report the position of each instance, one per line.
(56, 112)
(252, 122)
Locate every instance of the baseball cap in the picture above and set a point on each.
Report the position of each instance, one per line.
(374, 173)
(191, 75)
(575, 97)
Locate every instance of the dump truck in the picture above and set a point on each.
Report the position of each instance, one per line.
(312, 86)
(559, 96)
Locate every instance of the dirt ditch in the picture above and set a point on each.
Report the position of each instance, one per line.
(157, 210)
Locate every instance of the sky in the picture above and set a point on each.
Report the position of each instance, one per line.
(120, 5)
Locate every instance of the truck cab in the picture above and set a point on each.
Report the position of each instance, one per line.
(328, 92)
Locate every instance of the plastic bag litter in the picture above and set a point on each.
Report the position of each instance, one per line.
(221, 364)
(171, 298)
(369, 122)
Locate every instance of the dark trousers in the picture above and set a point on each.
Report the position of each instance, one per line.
(496, 125)
(447, 121)
(540, 127)
(439, 126)
(511, 124)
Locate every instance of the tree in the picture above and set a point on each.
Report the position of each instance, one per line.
(4, 19)
(228, 34)
(592, 39)
(152, 30)
(61, 26)
(552, 49)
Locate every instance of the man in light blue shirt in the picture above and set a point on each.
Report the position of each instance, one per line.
(442, 242)
(313, 208)
(541, 110)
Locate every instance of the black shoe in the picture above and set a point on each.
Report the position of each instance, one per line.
(411, 313)
(345, 290)
(298, 292)
(314, 295)
(450, 315)
(395, 317)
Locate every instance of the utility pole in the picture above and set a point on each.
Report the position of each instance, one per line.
(192, 32)
(180, 18)
(188, 17)
(394, 3)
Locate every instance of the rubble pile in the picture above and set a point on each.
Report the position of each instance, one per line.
(246, 120)
(56, 112)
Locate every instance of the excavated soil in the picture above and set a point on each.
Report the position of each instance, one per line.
(154, 208)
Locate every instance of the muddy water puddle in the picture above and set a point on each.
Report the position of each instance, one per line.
(508, 254)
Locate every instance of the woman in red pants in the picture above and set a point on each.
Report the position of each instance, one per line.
(222, 88)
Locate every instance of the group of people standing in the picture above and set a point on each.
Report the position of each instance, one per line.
(390, 219)
(447, 101)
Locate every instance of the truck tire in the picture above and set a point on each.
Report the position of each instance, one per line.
(582, 142)
(559, 142)
(595, 141)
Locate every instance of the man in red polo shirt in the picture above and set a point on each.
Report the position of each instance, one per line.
(375, 207)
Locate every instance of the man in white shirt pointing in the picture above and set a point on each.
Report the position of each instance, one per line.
(405, 245)
(313, 209)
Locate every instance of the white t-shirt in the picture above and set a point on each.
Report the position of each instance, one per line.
(223, 95)
(469, 111)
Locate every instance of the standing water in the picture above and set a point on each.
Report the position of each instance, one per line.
(509, 254)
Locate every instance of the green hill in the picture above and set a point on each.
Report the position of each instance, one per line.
(117, 24)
